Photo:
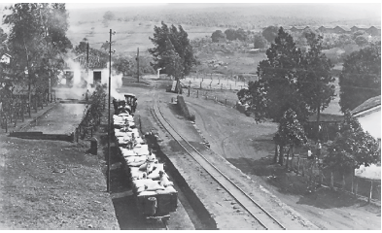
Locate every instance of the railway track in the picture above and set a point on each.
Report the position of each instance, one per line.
(265, 219)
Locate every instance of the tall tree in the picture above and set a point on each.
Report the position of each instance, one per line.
(360, 78)
(174, 65)
(315, 83)
(276, 91)
(36, 40)
(179, 39)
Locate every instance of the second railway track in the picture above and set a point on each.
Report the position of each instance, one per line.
(265, 219)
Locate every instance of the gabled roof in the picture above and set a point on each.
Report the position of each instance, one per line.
(346, 28)
(369, 104)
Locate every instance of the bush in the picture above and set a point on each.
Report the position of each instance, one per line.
(192, 117)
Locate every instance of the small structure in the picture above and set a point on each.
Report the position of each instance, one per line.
(90, 65)
(369, 116)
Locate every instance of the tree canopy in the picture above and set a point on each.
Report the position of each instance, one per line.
(37, 40)
(259, 41)
(360, 78)
(217, 36)
(270, 33)
(290, 79)
(181, 47)
(352, 147)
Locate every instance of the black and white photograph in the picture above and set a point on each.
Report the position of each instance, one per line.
(171, 115)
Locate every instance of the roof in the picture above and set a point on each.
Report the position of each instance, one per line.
(367, 105)
(324, 117)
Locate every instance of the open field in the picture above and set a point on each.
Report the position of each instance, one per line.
(129, 35)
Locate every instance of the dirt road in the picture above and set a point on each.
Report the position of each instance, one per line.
(244, 143)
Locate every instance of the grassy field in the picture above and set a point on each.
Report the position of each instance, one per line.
(129, 35)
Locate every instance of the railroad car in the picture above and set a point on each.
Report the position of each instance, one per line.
(155, 194)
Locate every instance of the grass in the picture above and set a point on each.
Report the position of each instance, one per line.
(52, 185)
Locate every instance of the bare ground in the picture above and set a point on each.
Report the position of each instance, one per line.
(52, 185)
(249, 147)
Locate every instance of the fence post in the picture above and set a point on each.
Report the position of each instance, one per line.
(371, 191)
(22, 110)
(298, 164)
(189, 90)
(197, 93)
(356, 186)
(331, 180)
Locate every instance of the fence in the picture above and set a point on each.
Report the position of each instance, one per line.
(15, 108)
(219, 97)
(90, 122)
(313, 172)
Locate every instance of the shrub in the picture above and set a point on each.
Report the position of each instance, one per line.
(192, 117)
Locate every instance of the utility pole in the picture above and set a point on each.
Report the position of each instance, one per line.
(137, 58)
(109, 125)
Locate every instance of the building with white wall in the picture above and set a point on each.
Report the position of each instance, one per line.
(369, 116)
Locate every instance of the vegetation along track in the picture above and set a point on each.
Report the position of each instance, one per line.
(264, 218)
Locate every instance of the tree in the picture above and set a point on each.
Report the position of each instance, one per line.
(270, 33)
(352, 147)
(360, 77)
(361, 40)
(276, 91)
(37, 40)
(174, 66)
(343, 40)
(230, 34)
(315, 83)
(108, 16)
(123, 65)
(179, 40)
(290, 133)
(259, 41)
(241, 34)
(217, 36)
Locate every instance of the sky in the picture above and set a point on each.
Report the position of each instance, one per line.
(357, 9)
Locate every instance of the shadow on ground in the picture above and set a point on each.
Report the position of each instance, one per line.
(287, 182)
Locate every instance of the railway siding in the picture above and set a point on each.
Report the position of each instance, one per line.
(288, 216)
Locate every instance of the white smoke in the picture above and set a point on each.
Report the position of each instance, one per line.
(82, 81)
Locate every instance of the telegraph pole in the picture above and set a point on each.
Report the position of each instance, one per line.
(108, 125)
(137, 58)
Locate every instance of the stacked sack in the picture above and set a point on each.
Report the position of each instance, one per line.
(147, 175)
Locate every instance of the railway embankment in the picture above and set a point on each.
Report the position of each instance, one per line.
(202, 217)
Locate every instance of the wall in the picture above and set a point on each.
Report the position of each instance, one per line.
(371, 122)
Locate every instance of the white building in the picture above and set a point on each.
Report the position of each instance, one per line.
(369, 116)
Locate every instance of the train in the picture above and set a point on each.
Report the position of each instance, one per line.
(127, 105)
(152, 188)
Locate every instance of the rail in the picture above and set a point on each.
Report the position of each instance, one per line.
(264, 218)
